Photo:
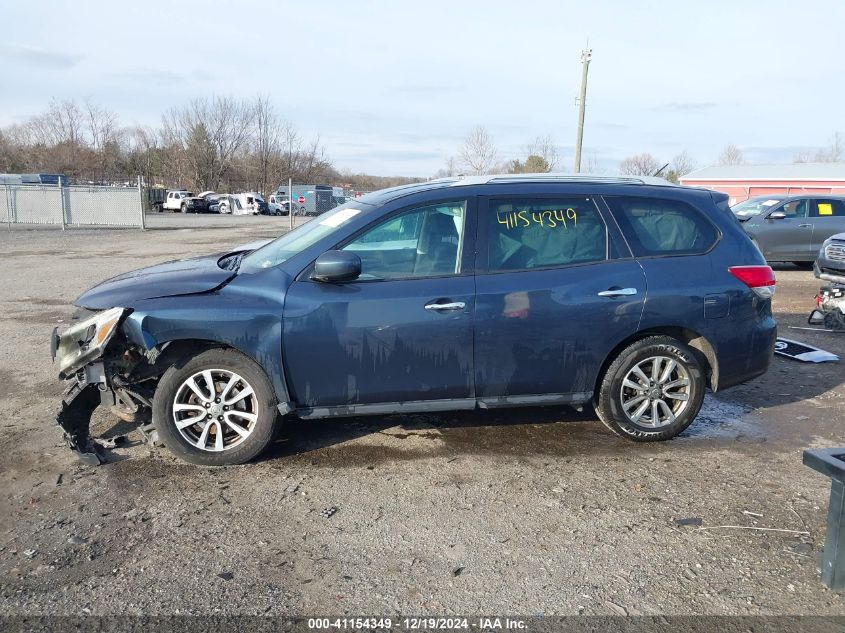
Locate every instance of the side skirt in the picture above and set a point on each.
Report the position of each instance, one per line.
(457, 404)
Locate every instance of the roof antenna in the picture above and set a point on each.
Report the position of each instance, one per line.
(658, 172)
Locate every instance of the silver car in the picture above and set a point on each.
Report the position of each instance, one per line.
(792, 229)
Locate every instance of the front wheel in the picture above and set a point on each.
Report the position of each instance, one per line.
(215, 409)
(652, 391)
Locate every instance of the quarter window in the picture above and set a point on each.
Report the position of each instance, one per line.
(654, 226)
(544, 232)
(423, 242)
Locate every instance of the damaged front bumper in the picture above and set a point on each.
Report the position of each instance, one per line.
(100, 376)
(74, 417)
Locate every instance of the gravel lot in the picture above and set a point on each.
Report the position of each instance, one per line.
(532, 511)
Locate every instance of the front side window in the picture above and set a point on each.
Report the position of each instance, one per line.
(424, 242)
(828, 209)
(653, 226)
(529, 233)
(795, 209)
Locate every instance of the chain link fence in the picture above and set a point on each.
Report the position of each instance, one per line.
(71, 206)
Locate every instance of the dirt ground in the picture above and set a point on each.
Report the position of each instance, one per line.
(531, 511)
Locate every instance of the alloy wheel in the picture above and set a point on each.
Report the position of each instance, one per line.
(655, 391)
(215, 410)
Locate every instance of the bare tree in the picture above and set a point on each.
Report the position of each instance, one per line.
(210, 133)
(590, 164)
(731, 155)
(267, 142)
(205, 144)
(834, 152)
(639, 165)
(478, 153)
(449, 169)
(544, 148)
(683, 163)
(680, 165)
(105, 137)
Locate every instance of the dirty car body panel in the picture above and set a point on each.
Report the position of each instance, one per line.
(471, 337)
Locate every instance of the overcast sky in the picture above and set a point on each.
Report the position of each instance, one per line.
(392, 87)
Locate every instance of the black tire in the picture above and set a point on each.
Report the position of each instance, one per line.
(803, 265)
(215, 359)
(608, 403)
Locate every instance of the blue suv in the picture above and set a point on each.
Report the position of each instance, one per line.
(498, 291)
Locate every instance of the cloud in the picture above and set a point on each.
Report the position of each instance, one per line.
(687, 106)
(775, 153)
(607, 125)
(399, 155)
(423, 89)
(38, 56)
(149, 76)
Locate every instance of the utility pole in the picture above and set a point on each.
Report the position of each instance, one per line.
(586, 56)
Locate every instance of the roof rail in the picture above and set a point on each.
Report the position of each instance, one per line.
(552, 177)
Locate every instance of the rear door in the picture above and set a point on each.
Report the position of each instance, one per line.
(554, 295)
(828, 218)
(671, 239)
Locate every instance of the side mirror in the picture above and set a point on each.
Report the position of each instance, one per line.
(336, 267)
(777, 215)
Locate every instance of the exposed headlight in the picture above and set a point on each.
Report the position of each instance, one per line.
(85, 341)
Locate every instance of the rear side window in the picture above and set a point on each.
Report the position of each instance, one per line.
(527, 233)
(654, 226)
(828, 208)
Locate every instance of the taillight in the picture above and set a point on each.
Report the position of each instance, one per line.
(761, 279)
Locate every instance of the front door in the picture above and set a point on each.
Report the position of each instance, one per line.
(786, 238)
(553, 298)
(401, 332)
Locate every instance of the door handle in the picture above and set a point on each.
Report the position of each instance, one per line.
(804, 226)
(445, 307)
(618, 292)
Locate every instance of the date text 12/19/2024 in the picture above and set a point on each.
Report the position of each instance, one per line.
(418, 624)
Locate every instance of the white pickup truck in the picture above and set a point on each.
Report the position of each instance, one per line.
(173, 201)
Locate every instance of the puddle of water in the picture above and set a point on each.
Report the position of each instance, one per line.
(720, 418)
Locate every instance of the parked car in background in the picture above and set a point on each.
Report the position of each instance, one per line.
(242, 204)
(194, 204)
(155, 198)
(214, 202)
(483, 292)
(261, 204)
(280, 205)
(173, 201)
(830, 263)
(794, 228)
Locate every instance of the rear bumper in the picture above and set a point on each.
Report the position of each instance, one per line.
(737, 366)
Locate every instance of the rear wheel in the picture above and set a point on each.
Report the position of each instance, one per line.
(652, 391)
(218, 408)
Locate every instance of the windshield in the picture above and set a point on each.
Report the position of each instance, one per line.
(283, 248)
(755, 206)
